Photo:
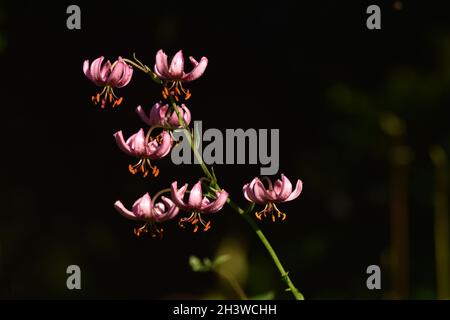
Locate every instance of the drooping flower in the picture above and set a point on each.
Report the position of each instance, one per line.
(281, 191)
(145, 209)
(161, 115)
(175, 74)
(145, 149)
(108, 76)
(197, 204)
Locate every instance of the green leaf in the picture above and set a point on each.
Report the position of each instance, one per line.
(221, 259)
(195, 264)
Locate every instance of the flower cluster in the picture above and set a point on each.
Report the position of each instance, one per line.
(155, 143)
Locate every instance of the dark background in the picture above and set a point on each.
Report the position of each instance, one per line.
(338, 92)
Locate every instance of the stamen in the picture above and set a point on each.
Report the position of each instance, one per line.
(270, 208)
(194, 220)
(141, 230)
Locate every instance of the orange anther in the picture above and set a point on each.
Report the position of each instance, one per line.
(187, 96)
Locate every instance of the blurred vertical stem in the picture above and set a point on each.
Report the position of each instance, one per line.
(400, 157)
(400, 221)
(234, 284)
(284, 275)
(441, 222)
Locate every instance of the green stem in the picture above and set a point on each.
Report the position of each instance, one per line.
(269, 248)
(284, 275)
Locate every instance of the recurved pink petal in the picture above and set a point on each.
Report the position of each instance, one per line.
(249, 192)
(105, 71)
(172, 209)
(122, 144)
(195, 196)
(141, 113)
(137, 143)
(259, 192)
(116, 74)
(283, 188)
(124, 211)
(161, 65)
(142, 208)
(158, 151)
(197, 71)
(95, 71)
(296, 192)
(86, 69)
(217, 204)
(126, 74)
(177, 66)
(158, 114)
(178, 194)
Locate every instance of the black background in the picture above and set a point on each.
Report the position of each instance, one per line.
(270, 66)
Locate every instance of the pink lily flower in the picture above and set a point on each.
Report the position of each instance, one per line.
(108, 76)
(145, 209)
(197, 204)
(175, 72)
(281, 191)
(138, 146)
(161, 115)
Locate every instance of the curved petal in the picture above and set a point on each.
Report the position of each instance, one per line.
(158, 114)
(187, 114)
(199, 69)
(95, 71)
(283, 188)
(143, 206)
(141, 113)
(260, 192)
(126, 75)
(86, 70)
(177, 66)
(249, 193)
(137, 143)
(178, 194)
(124, 211)
(161, 65)
(116, 73)
(122, 144)
(172, 120)
(217, 204)
(172, 209)
(161, 150)
(105, 71)
(196, 195)
(245, 190)
(296, 192)
(155, 69)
